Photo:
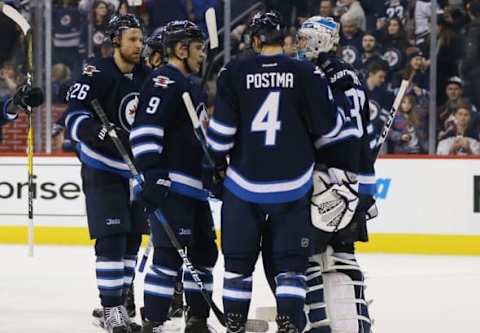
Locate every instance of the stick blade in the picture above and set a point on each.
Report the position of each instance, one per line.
(15, 16)
(211, 20)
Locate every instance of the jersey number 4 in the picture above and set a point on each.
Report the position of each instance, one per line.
(266, 119)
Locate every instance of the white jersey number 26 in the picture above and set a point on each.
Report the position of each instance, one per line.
(266, 119)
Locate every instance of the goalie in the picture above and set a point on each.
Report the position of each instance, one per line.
(341, 199)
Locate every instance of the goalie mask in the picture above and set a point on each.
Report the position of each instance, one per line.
(318, 35)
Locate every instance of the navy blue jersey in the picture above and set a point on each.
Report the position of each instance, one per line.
(4, 116)
(380, 103)
(66, 24)
(162, 137)
(351, 49)
(350, 149)
(394, 8)
(266, 111)
(118, 94)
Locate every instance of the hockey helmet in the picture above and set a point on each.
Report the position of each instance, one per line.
(268, 26)
(119, 23)
(180, 31)
(321, 35)
(155, 42)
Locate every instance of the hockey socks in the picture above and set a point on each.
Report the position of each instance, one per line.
(290, 293)
(237, 294)
(158, 292)
(197, 305)
(110, 279)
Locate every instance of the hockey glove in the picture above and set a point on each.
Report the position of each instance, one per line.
(334, 199)
(27, 96)
(96, 135)
(336, 71)
(155, 190)
(212, 178)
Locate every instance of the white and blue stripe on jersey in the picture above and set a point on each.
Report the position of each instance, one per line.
(88, 154)
(268, 192)
(146, 139)
(220, 137)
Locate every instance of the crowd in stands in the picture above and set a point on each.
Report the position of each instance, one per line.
(385, 40)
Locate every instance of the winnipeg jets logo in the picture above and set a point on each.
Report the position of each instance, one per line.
(349, 54)
(127, 109)
(392, 56)
(374, 109)
(162, 81)
(89, 70)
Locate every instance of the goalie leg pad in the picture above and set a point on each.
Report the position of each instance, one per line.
(338, 276)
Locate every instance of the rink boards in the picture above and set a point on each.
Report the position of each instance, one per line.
(427, 205)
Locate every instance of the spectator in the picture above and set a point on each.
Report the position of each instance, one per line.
(123, 8)
(289, 46)
(67, 23)
(61, 82)
(356, 13)
(350, 40)
(422, 15)
(380, 99)
(374, 10)
(394, 42)
(470, 66)
(408, 132)
(455, 99)
(458, 139)
(449, 54)
(98, 19)
(326, 8)
(8, 80)
(370, 53)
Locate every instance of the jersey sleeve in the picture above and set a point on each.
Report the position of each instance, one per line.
(4, 115)
(222, 127)
(324, 117)
(157, 107)
(80, 121)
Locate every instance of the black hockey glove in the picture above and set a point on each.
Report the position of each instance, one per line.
(336, 71)
(155, 190)
(27, 96)
(96, 134)
(212, 177)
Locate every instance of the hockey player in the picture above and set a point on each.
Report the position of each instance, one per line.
(169, 156)
(115, 221)
(25, 97)
(153, 53)
(336, 299)
(268, 109)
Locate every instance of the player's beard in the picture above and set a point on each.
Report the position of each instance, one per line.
(131, 58)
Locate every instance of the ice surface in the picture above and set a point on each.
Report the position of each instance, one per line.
(55, 291)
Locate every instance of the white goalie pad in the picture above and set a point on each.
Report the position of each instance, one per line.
(340, 300)
(334, 199)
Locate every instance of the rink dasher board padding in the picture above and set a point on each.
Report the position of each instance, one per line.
(426, 205)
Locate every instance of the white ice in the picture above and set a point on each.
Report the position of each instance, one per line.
(55, 291)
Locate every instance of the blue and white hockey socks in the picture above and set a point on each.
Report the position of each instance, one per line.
(237, 293)
(130, 261)
(110, 280)
(196, 303)
(158, 292)
(290, 293)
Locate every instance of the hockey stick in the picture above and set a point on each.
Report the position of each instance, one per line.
(143, 261)
(391, 115)
(15, 16)
(252, 325)
(197, 127)
(211, 21)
